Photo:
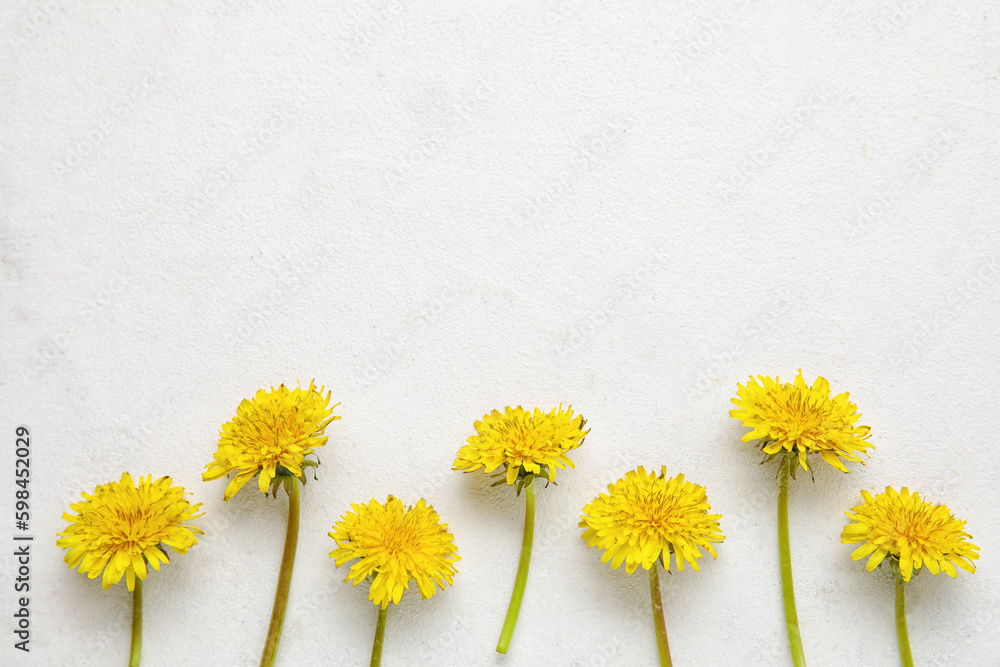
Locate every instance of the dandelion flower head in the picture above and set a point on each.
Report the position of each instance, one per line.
(393, 546)
(794, 418)
(271, 435)
(524, 442)
(644, 517)
(911, 531)
(123, 527)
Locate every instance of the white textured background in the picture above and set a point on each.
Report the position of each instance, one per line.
(625, 207)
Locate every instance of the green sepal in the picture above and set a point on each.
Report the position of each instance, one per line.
(523, 477)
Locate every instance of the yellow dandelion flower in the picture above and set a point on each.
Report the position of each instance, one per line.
(271, 435)
(645, 517)
(525, 443)
(394, 546)
(122, 527)
(795, 418)
(791, 421)
(641, 520)
(911, 531)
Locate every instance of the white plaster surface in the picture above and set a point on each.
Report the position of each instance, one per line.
(628, 207)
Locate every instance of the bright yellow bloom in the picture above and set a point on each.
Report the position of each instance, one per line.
(914, 532)
(801, 419)
(121, 528)
(523, 442)
(645, 517)
(271, 435)
(395, 545)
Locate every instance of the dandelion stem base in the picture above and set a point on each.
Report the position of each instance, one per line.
(661, 626)
(379, 637)
(785, 553)
(905, 657)
(133, 660)
(522, 569)
(284, 579)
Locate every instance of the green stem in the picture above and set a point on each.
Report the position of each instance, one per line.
(379, 637)
(661, 626)
(787, 589)
(284, 579)
(901, 633)
(133, 660)
(522, 570)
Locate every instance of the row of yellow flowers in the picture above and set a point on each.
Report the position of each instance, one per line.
(123, 527)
